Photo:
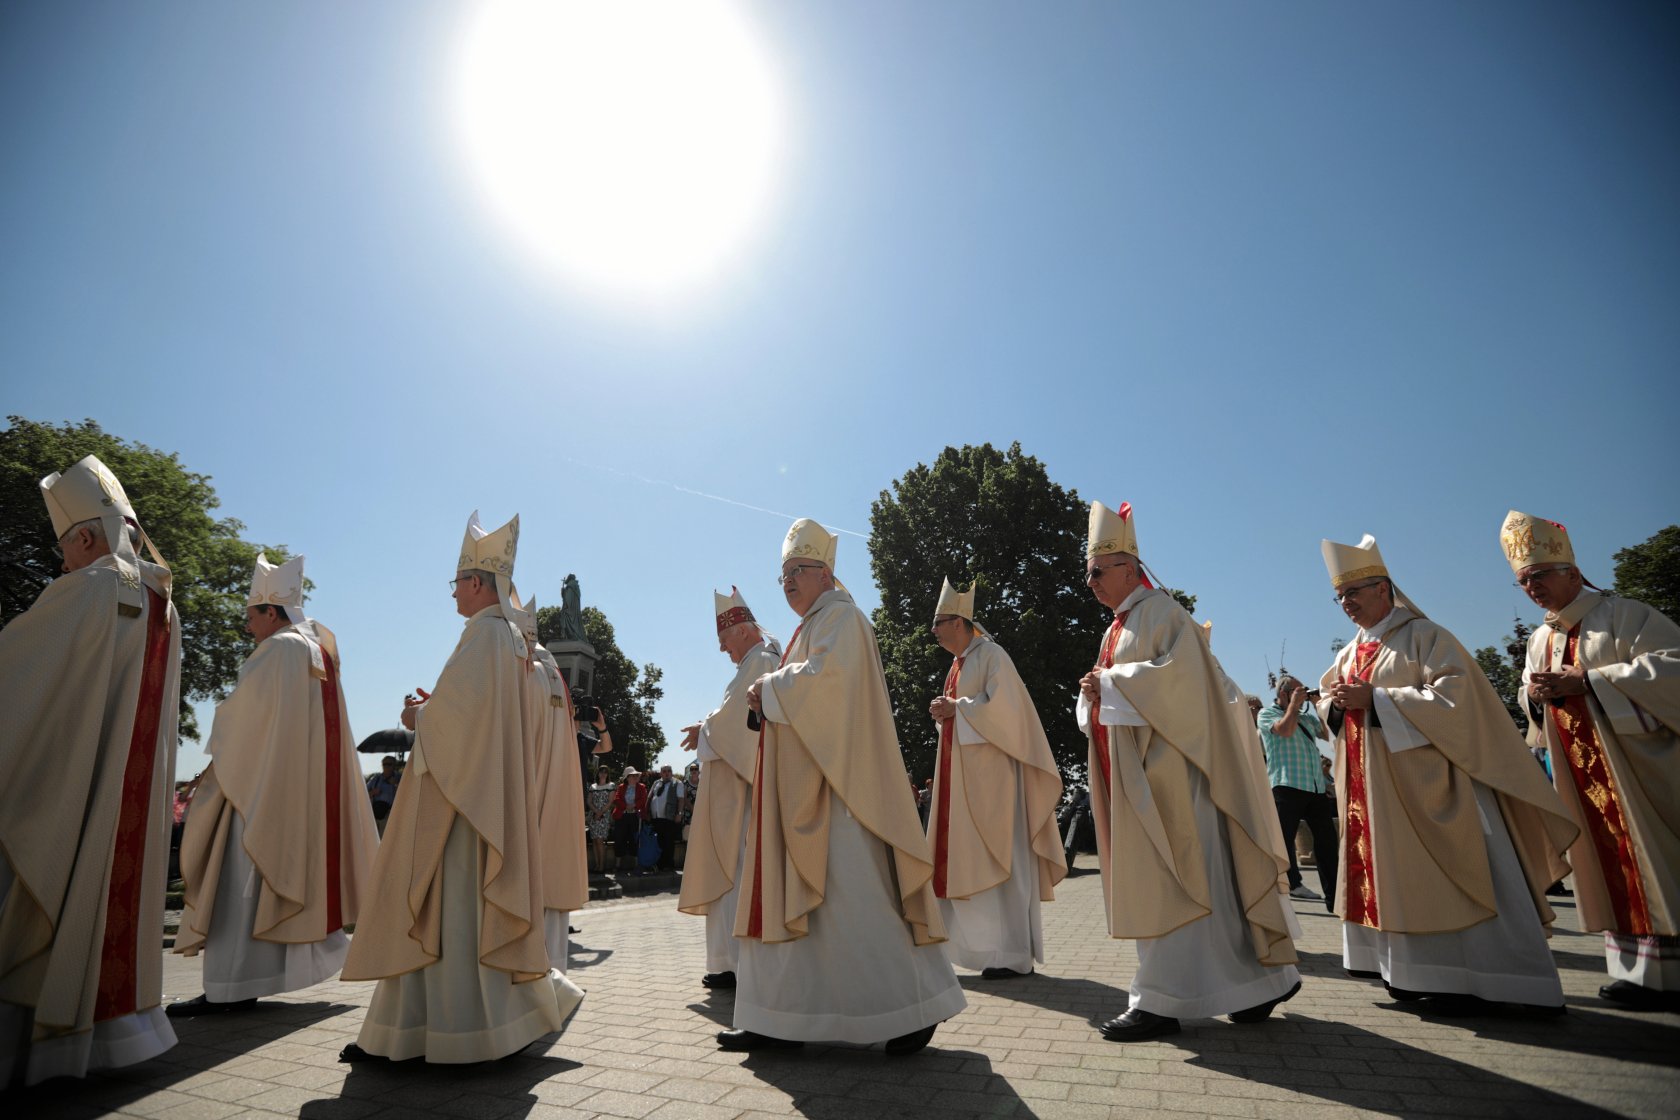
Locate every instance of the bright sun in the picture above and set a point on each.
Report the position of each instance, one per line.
(633, 144)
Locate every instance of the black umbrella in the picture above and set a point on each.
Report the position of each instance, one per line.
(392, 740)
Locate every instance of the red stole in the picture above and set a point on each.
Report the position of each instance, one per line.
(1357, 865)
(755, 912)
(1602, 809)
(335, 779)
(1099, 733)
(947, 743)
(117, 995)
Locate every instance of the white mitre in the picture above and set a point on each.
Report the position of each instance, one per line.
(731, 609)
(494, 552)
(1350, 563)
(89, 491)
(278, 585)
(1110, 531)
(1529, 540)
(959, 603)
(808, 540)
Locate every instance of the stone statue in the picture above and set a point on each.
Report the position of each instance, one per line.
(570, 622)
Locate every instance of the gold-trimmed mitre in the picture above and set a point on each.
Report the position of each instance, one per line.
(1350, 563)
(952, 601)
(85, 492)
(278, 585)
(1111, 531)
(490, 552)
(1529, 540)
(808, 540)
(731, 609)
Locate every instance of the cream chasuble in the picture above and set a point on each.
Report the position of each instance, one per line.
(728, 752)
(471, 788)
(283, 773)
(1413, 843)
(1182, 740)
(1615, 756)
(837, 916)
(973, 815)
(88, 710)
(565, 852)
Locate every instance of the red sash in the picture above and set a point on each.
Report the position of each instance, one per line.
(1357, 865)
(1099, 733)
(335, 778)
(942, 837)
(755, 911)
(1596, 786)
(117, 994)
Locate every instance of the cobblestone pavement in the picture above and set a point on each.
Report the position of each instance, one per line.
(642, 1046)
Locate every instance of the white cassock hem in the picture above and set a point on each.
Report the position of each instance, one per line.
(557, 925)
(238, 966)
(456, 1010)
(1650, 962)
(1208, 966)
(1505, 959)
(857, 976)
(1002, 927)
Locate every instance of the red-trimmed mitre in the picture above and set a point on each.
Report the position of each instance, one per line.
(734, 616)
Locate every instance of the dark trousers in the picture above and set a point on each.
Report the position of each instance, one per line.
(1297, 805)
(624, 835)
(666, 833)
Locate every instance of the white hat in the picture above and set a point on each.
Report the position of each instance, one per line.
(1110, 531)
(89, 491)
(490, 552)
(1529, 540)
(952, 601)
(731, 609)
(278, 585)
(1349, 563)
(810, 541)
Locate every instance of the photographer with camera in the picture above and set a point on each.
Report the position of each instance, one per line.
(1289, 731)
(592, 737)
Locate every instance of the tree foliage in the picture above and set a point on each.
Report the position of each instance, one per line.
(995, 518)
(211, 562)
(1650, 571)
(1504, 671)
(625, 693)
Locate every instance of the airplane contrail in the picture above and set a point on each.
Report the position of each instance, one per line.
(681, 489)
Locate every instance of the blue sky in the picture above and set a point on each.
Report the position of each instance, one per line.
(1271, 272)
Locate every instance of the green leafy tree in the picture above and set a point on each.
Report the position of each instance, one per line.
(994, 518)
(1504, 670)
(625, 693)
(1650, 571)
(211, 562)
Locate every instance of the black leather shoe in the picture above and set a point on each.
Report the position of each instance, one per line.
(200, 1005)
(1361, 974)
(354, 1053)
(1002, 973)
(748, 1040)
(718, 980)
(1405, 995)
(912, 1042)
(1637, 997)
(1137, 1024)
(1457, 1005)
(1260, 1012)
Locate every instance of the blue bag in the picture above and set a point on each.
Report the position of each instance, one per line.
(647, 847)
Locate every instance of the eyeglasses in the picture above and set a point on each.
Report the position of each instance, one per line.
(792, 574)
(1347, 593)
(459, 579)
(1095, 572)
(1532, 577)
(938, 622)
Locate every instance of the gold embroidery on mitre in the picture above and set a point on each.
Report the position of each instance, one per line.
(1519, 543)
(1366, 572)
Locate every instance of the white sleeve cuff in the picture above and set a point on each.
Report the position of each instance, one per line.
(1082, 713)
(966, 734)
(1624, 715)
(1397, 730)
(703, 746)
(772, 707)
(1117, 711)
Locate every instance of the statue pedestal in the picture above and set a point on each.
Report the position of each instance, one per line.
(576, 661)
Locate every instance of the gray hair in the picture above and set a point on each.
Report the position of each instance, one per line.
(96, 526)
(488, 578)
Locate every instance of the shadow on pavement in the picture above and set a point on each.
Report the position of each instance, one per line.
(580, 956)
(718, 1007)
(491, 1089)
(1384, 1075)
(203, 1044)
(845, 1082)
